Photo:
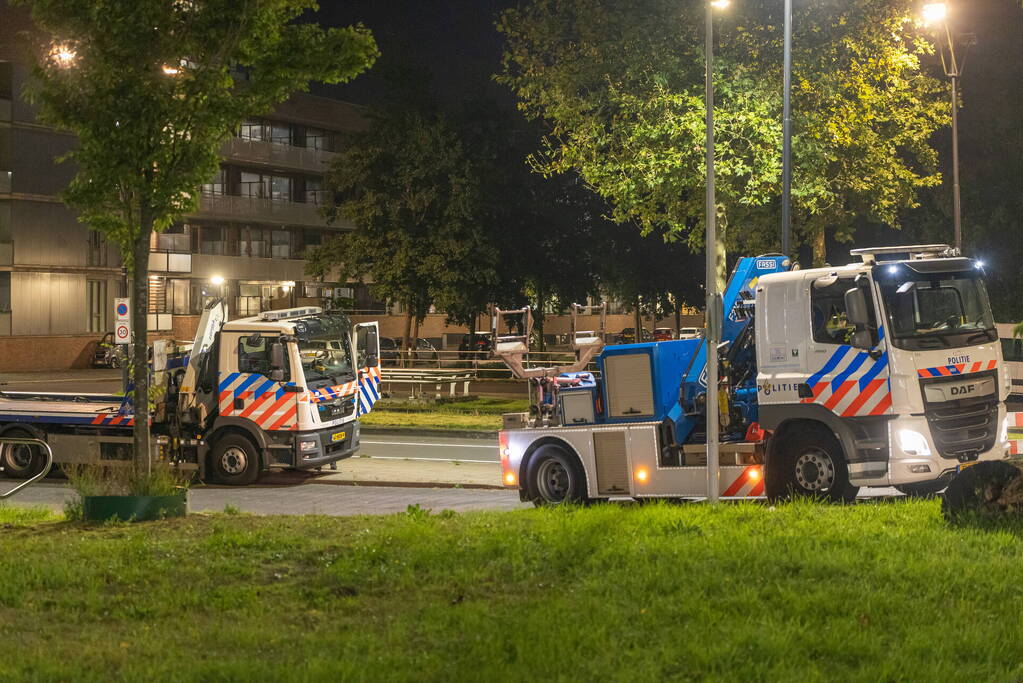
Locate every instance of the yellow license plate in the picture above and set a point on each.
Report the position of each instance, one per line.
(339, 436)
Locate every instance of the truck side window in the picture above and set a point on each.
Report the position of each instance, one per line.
(257, 358)
(828, 315)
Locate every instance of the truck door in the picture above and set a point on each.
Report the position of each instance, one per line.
(367, 359)
(847, 381)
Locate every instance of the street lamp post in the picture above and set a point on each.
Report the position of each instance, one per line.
(937, 12)
(786, 146)
(713, 321)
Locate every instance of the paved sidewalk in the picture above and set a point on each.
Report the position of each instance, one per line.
(415, 472)
(306, 499)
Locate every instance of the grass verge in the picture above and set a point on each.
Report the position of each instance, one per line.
(474, 414)
(800, 592)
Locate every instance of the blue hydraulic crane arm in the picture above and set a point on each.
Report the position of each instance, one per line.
(737, 304)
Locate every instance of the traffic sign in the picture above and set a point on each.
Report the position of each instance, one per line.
(122, 320)
(122, 309)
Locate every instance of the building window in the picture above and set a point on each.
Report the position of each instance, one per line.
(96, 291)
(216, 186)
(316, 138)
(253, 242)
(176, 238)
(314, 190)
(249, 298)
(281, 247)
(280, 133)
(312, 238)
(177, 298)
(251, 185)
(212, 240)
(280, 188)
(252, 130)
(97, 249)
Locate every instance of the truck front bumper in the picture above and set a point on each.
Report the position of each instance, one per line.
(915, 458)
(324, 446)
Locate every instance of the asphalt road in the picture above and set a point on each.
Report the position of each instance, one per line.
(429, 448)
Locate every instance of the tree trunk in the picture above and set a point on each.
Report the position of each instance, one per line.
(414, 341)
(405, 334)
(820, 253)
(638, 322)
(678, 316)
(538, 321)
(722, 252)
(140, 344)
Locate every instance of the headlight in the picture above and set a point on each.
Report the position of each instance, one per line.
(307, 446)
(913, 443)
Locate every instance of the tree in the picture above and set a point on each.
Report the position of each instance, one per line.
(151, 88)
(415, 198)
(620, 86)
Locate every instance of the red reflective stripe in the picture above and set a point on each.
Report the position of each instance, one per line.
(255, 404)
(738, 483)
(1017, 419)
(943, 369)
(287, 416)
(923, 373)
(883, 405)
(98, 419)
(991, 364)
(837, 396)
(116, 420)
(864, 396)
(263, 418)
(976, 367)
(758, 488)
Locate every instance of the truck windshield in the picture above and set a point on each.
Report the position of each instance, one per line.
(325, 359)
(937, 311)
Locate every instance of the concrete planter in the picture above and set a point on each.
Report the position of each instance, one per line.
(134, 508)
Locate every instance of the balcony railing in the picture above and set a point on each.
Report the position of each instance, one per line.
(289, 156)
(231, 207)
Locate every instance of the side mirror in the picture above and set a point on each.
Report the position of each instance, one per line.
(856, 307)
(277, 375)
(277, 356)
(862, 339)
(372, 361)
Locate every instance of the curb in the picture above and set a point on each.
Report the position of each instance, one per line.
(403, 431)
(411, 484)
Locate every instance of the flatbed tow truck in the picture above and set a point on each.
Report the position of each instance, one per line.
(884, 372)
(283, 389)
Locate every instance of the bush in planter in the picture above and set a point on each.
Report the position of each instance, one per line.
(119, 492)
(988, 492)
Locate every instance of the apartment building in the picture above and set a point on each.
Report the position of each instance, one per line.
(245, 243)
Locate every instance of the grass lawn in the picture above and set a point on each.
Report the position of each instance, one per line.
(803, 592)
(474, 414)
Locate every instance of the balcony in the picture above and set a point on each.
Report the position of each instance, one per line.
(277, 155)
(259, 210)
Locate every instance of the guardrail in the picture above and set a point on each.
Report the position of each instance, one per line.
(420, 378)
(482, 364)
(42, 473)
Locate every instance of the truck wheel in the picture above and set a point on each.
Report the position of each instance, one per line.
(809, 463)
(234, 461)
(21, 461)
(555, 477)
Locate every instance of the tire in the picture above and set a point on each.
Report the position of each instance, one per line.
(234, 461)
(21, 461)
(555, 477)
(808, 463)
(923, 489)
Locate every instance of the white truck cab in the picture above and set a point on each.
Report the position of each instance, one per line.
(897, 355)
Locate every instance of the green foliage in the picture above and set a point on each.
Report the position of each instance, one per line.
(162, 479)
(621, 88)
(414, 194)
(797, 592)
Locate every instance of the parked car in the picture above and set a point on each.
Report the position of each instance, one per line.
(388, 350)
(663, 334)
(690, 333)
(483, 345)
(425, 351)
(628, 335)
(105, 355)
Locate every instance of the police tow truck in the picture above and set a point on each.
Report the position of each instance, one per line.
(282, 389)
(884, 372)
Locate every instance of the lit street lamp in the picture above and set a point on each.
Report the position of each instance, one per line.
(935, 13)
(714, 314)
